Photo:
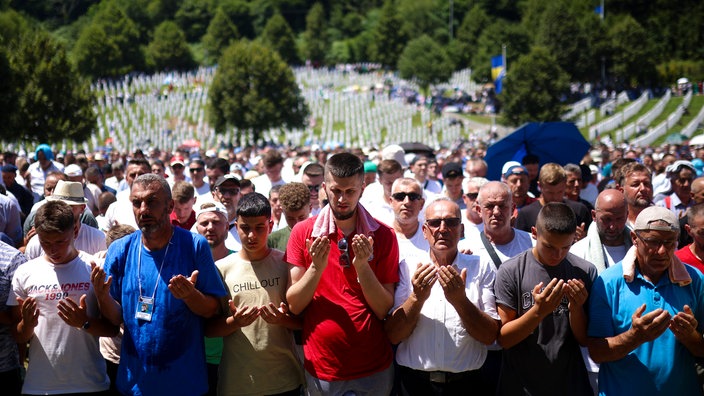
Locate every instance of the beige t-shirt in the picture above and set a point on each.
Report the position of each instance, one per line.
(259, 358)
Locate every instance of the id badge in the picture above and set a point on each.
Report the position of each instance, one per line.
(145, 307)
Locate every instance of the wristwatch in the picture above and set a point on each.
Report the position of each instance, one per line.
(86, 325)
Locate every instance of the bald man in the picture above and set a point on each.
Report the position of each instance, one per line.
(606, 243)
(697, 192)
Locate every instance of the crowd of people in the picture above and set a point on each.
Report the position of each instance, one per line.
(354, 272)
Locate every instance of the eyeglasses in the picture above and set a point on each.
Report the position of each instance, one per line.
(314, 188)
(225, 191)
(345, 256)
(450, 222)
(472, 196)
(194, 170)
(654, 243)
(401, 196)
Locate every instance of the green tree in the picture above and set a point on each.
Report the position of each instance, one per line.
(632, 53)
(426, 61)
(277, 35)
(221, 32)
(254, 90)
(422, 17)
(8, 96)
(108, 46)
(490, 43)
(194, 17)
(561, 33)
(532, 89)
(52, 101)
(260, 11)
(169, 49)
(239, 13)
(389, 41)
(465, 44)
(316, 34)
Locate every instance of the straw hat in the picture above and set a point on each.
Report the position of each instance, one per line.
(68, 192)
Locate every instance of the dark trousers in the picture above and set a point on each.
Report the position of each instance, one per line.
(423, 383)
(11, 382)
(112, 374)
(490, 370)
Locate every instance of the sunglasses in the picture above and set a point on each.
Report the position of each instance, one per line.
(401, 196)
(194, 170)
(345, 256)
(450, 222)
(472, 196)
(314, 188)
(225, 191)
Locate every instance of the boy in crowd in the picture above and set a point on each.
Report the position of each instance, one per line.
(55, 309)
(258, 355)
(540, 295)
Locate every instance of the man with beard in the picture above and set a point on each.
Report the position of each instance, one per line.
(161, 282)
(635, 183)
(343, 265)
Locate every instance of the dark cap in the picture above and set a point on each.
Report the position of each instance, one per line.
(451, 170)
(228, 177)
(9, 168)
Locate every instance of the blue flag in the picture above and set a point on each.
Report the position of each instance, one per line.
(498, 71)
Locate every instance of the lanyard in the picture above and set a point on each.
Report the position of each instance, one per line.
(139, 269)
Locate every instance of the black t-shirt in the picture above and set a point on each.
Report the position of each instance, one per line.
(548, 361)
(528, 214)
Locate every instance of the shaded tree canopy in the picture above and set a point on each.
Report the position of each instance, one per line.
(533, 88)
(426, 61)
(169, 49)
(51, 101)
(254, 90)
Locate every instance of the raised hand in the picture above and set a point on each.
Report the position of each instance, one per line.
(576, 293)
(271, 314)
(97, 279)
(684, 325)
(244, 316)
(453, 283)
(651, 325)
(30, 311)
(550, 297)
(182, 287)
(363, 247)
(319, 250)
(423, 280)
(73, 314)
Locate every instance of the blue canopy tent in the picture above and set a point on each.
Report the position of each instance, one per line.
(559, 142)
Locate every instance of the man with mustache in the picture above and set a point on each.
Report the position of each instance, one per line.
(160, 282)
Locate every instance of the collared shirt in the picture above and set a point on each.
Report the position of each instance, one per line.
(439, 341)
(663, 366)
(675, 204)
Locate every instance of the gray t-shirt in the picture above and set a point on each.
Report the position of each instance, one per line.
(548, 361)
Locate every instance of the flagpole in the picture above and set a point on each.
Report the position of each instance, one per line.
(503, 54)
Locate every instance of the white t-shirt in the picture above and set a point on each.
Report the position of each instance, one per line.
(62, 359)
(90, 240)
(416, 247)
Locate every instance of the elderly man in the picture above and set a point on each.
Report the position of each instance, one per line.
(681, 174)
(444, 312)
(87, 239)
(343, 265)
(607, 239)
(161, 282)
(516, 176)
(646, 314)
(693, 252)
(407, 201)
(498, 242)
(606, 244)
